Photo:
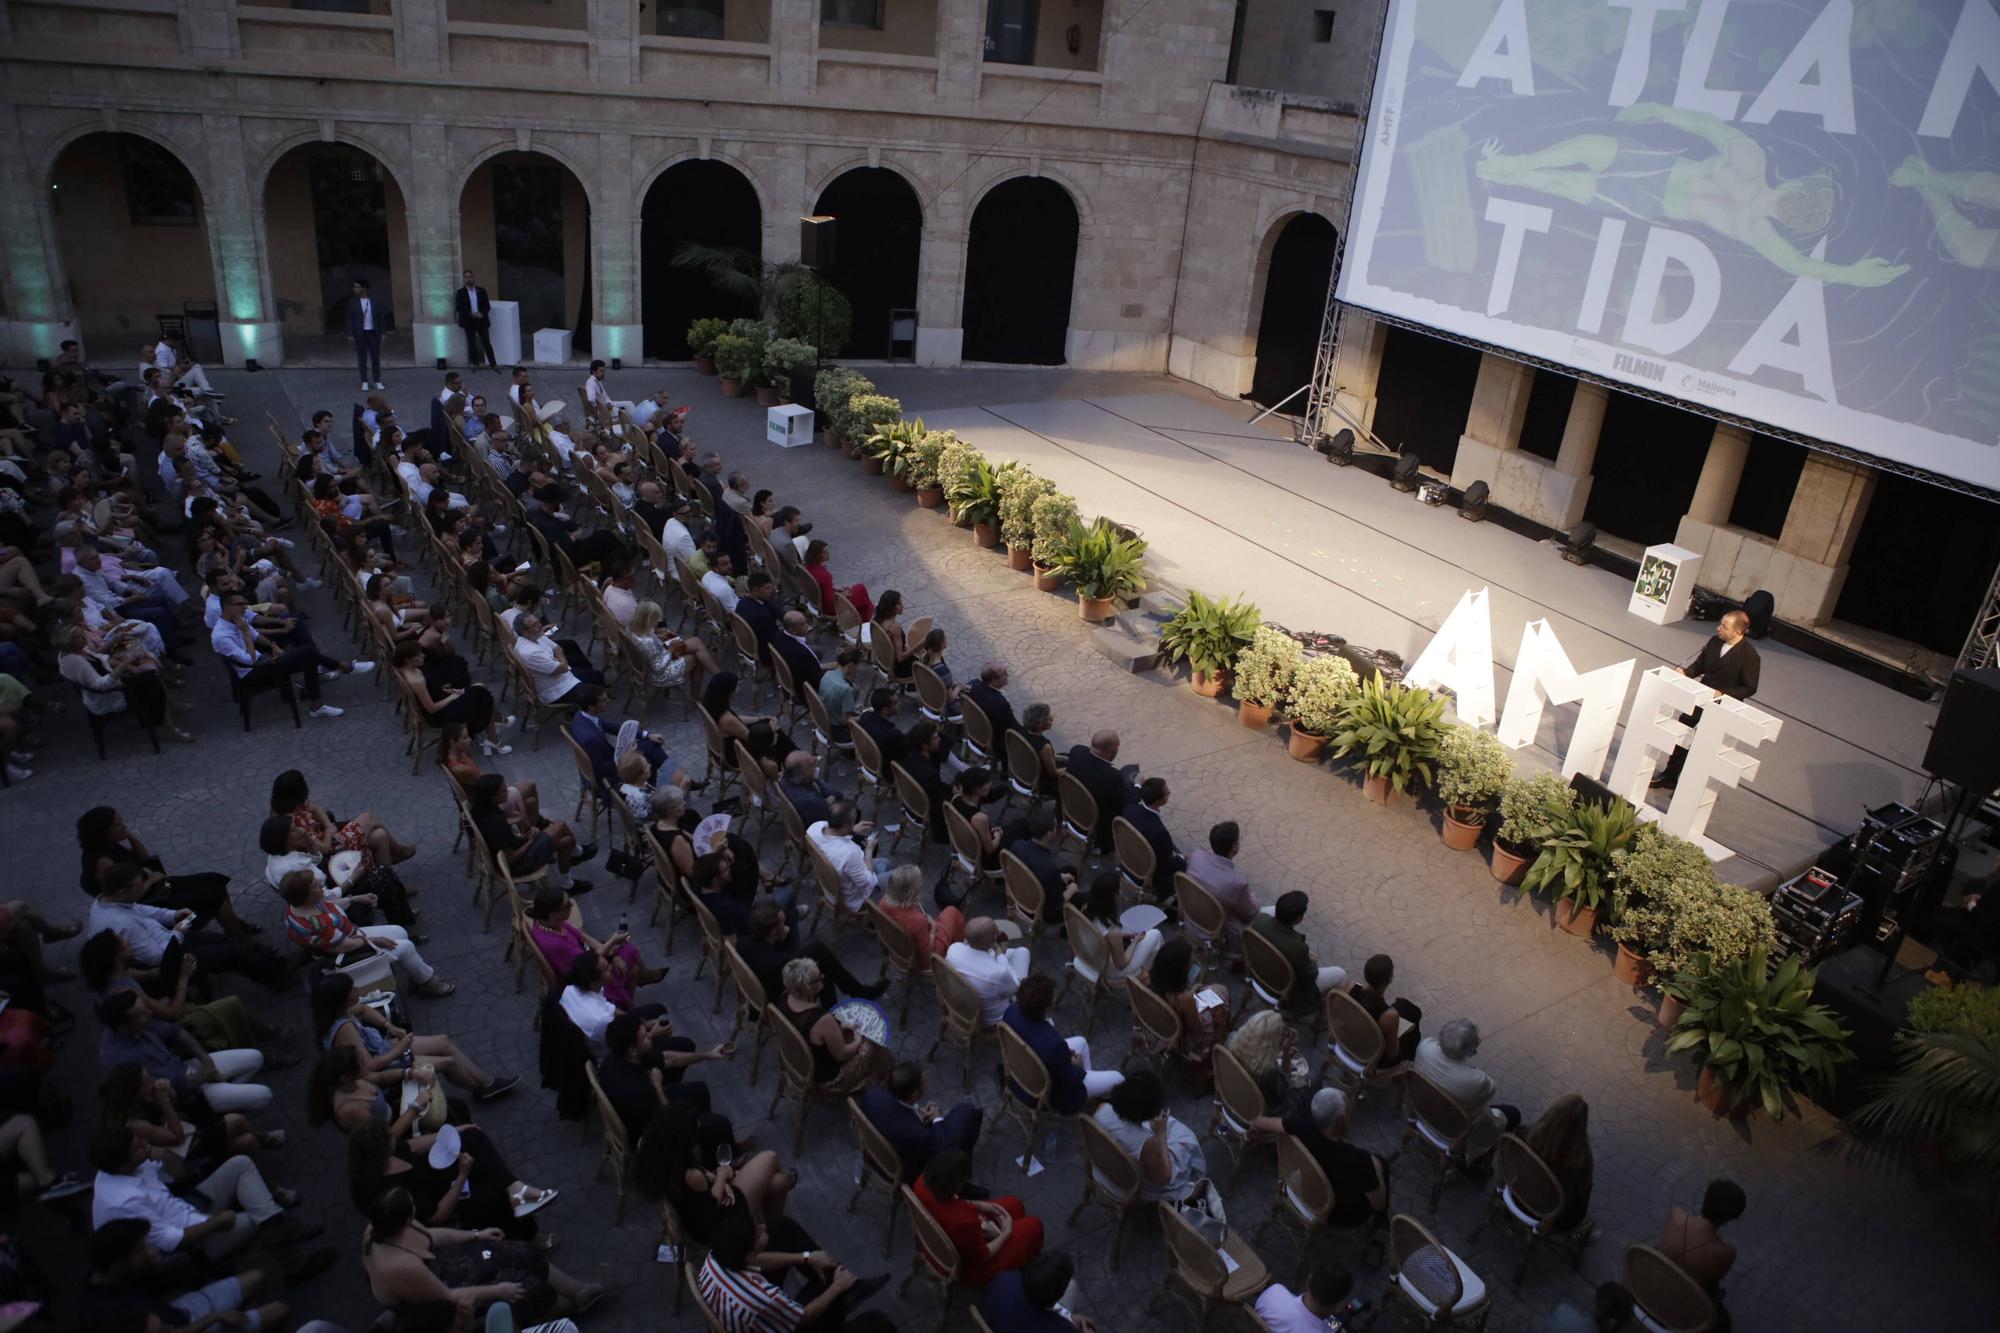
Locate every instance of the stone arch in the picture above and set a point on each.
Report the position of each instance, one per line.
(521, 223)
(766, 202)
(327, 224)
(878, 257)
(1022, 237)
(537, 147)
(883, 162)
(388, 158)
(736, 214)
(1302, 246)
(1078, 197)
(196, 163)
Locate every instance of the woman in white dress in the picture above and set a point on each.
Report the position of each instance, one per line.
(669, 657)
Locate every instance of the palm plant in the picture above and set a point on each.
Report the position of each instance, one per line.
(974, 493)
(895, 443)
(1756, 1031)
(1101, 562)
(1576, 859)
(1209, 634)
(1942, 1102)
(1396, 727)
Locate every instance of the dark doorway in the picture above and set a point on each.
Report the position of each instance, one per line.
(351, 231)
(1922, 562)
(1649, 458)
(528, 241)
(1020, 262)
(709, 203)
(880, 227)
(1423, 394)
(1294, 302)
(1010, 31)
(1547, 418)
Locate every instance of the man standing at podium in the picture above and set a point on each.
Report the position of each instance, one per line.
(1728, 664)
(475, 316)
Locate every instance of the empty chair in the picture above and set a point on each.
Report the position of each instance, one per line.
(1195, 1264)
(966, 853)
(1354, 1042)
(1665, 1297)
(752, 1006)
(617, 1147)
(1203, 920)
(899, 951)
(1110, 1180)
(797, 1079)
(917, 811)
(1437, 1284)
(1270, 974)
(1161, 1021)
(1024, 770)
(1079, 818)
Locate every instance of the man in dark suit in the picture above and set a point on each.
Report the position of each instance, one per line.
(798, 654)
(1728, 664)
(595, 733)
(770, 942)
(1144, 815)
(758, 607)
(475, 316)
(918, 1130)
(987, 693)
(809, 796)
(1038, 852)
(923, 759)
(365, 318)
(1096, 766)
(880, 724)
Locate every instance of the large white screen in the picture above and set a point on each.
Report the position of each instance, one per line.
(1784, 211)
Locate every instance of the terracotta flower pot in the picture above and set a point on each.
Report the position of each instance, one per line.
(930, 497)
(1671, 1009)
(963, 520)
(704, 365)
(1019, 558)
(988, 535)
(1254, 715)
(899, 486)
(1632, 968)
(1718, 1096)
(1578, 921)
(872, 466)
(1210, 684)
(1095, 609)
(1304, 746)
(1461, 835)
(848, 449)
(767, 395)
(1046, 579)
(731, 388)
(1508, 866)
(1379, 790)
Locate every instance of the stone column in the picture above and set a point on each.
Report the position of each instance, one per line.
(941, 270)
(794, 42)
(1566, 487)
(236, 245)
(421, 41)
(1721, 472)
(1818, 537)
(38, 316)
(617, 332)
(614, 41)
(1499, 403)
(961, 42)
(1357, 365)
(433, 226)
(208, 27)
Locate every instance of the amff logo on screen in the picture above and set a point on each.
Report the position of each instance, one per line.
(1645, 370)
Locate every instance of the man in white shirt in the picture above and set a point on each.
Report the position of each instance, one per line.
(597, 393)
(1317, 1309)
(364, 325)
(620, 599)
(676, 537)
(257, 662)
(130, 1185)
(993, 972)
(855, 865)
(646, 409)
(516, 380)
(1446, 1060)
(159, 937)
(175, 365)
(716, 580)
(555, 683)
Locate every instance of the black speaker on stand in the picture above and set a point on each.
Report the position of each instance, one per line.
(816, 243)
(1965, 742)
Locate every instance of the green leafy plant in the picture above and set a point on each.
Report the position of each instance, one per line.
(1575, 860)
(1052, 515)
(1019, 489)
(1100, 562)
(1321, 688)
(1756, 1029)
(782, 356)
(833, 390)
(1209, 634)
(703, 333)
(812, 310)
(868, 413)
(954, 462)
(975, 492)
(1941, 1104)
(733, 356)
(1974, 1010)
(756, 335)
(1669, 906)
(1472, 768)
(1396, 727)
(1265, 667)
(1532, 807)
(895, 444)
(922, 472)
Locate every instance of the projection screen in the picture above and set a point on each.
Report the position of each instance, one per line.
(1788, 212)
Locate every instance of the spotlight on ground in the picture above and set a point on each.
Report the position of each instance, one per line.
(1337, 448)
(250, 364)
(1404, 478)
(440, 363)
(618, 363)
(1473, 506)
(1576, 546)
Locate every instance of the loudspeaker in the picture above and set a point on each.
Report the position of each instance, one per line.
(802, 389)
(1589, 791)
(1965, 743)
(816, 242)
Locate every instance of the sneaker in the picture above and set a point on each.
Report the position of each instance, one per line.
(361, 664)
(328, 673)
(311, 585)
(15, 773)
(380, 385)
(499, 1087)
(64, 1186)
(327, 710)
(364, 386)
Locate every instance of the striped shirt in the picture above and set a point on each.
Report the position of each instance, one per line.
(745, 1301)
(320, 931)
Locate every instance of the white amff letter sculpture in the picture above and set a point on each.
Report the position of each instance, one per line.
(1542, 669)
(1655, 729)
(1459, 658)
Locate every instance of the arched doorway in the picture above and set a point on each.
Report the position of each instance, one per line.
(1295, 279)
(1020, 263)
(705, 203)
(134, 245)
(334, 214)
(880, 225)
(524, 231)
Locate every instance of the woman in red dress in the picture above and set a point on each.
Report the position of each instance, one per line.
(993, 1236)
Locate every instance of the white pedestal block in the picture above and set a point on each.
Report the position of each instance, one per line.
(789, 426)
(552, 347)
(505, 331)
(1665, 583)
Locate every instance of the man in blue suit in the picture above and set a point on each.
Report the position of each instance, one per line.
(596, 734)
(918, 1130)
(759, 609)
(1037, 852)
(1145, 816)
(364, 325)
(1072, 1082)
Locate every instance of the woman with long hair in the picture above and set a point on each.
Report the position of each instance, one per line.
(1203, 1010)
(412, 1266)
(522, 800)
(670, 1165)
(364, 833)
(1561, 1138)
(1268, 1047)
(471, 706)
(888, 621)
(992, 1236)
(200, 1139)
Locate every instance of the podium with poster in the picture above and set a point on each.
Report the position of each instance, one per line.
(1665, 583)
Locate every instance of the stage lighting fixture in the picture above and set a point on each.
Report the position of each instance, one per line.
(1404, 478)
(440, 363)
(250, 364)
(1472, 506)
(1576, 546)
(1338, 448)
(1433, 493)
(618, 363)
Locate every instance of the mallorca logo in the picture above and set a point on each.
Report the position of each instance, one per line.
(1644, 369)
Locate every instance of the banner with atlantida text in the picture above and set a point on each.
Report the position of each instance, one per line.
(1785, 210)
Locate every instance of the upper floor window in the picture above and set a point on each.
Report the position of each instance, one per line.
(334, 6)
(850, 13)
(690, 18)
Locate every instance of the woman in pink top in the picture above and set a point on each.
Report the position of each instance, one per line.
(561, 943)
(932, 935)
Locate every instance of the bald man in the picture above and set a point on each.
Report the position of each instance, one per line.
(989, 966)
(1096, 766)
(1727, 664)
(989, 692)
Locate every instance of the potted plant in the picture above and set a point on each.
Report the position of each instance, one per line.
(1264, 671)
(954, 462)
(1397, 728)
(1755, 1030)
(1321, 687)
(803, 306)
(1209, 635)
(1051, 515)
(894, 445)
(975, 497)
(868, 414)
(782, 358)
(1472, 767)
(832, 389)
(702, 334)
(1019, 489)
(1530, 808)
(733, 354)
(922, 473)
(1575, 861)
(1941, 1107)
(1103, 565)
